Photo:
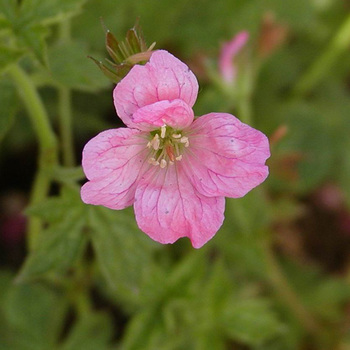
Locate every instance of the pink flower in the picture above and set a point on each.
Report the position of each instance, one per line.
(228, 52)
(175, 170)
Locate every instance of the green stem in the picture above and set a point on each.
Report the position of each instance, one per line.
(47, 145)
(326, 60)
(65, 112)
(35, 108)
(244, 100)
(65, 108)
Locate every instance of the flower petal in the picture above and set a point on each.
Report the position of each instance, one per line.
(112, 161)
(168, 207)
(164, 77)
(176, 114)
(226, 157)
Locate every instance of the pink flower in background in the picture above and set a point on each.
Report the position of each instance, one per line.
(228, 52)
(175, 170)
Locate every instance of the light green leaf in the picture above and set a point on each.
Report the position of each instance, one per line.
(123, 252)
(252, 322)
(49, 11)
(140, 330)
(33, 316)
(58, 248)
(62, 242)
(54, 209)
(70, 66)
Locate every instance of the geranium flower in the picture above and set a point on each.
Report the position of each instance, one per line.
(229, 51)
(174, 169)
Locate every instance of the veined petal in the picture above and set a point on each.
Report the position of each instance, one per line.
(226, 157)
(176, 114)
(168, 207)
(164, 77)
(112, 161)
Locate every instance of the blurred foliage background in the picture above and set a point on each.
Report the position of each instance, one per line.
(275, 277)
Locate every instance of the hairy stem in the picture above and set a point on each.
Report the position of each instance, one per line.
(47, 145)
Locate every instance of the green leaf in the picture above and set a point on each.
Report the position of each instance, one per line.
(325, 296)
(91, 332)
(70, 66)
(32, 315)
(61, 243)
(34, 38)
(123, 252)
(9, 56)
(252, 322)
(54, 209)
(140, 329)
(49, 11)
(58, 248)
(8, 9)
(4, 23)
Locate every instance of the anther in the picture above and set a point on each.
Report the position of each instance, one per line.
(179, 157)
(153, 161)
(184, 140)
(176, 136)
(162, 131)
(163, 163)
(155, 142)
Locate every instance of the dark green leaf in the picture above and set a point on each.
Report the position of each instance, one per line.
(9, 56)
(92, 332)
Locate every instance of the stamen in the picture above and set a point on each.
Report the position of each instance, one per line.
(166, 147)
(155, 142)
(162, 131)
(153, 161)
(184, 140)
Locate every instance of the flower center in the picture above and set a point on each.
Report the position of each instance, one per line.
(167, 146)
